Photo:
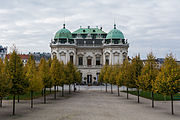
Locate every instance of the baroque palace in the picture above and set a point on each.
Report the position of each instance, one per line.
(89, 49)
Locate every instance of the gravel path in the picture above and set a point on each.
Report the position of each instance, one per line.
(91, 105)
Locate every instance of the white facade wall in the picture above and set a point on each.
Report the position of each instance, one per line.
(114, 52)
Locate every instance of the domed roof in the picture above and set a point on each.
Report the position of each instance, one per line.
(63, 33)
(115, 34)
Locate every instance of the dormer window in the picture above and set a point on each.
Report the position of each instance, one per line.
(83, 35)
(84, 30)
(94, 30)
(93, 36)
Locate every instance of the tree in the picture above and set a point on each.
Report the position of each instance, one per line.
(137, 66)
(45, 76)
(126, 74)
(100, 80)
(49, 62)
(4, 83)
(55, 73)
(62, 74)
(167, 80)
(77, 77)
(112, 70)
(69, 73)
(101, 75)
(119, 78)
(35, 84)
(105, 75)
(148, 75)
(16, 77)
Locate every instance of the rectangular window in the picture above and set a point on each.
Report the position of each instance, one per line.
(97, 60)
(80, 60)
(71, 59)
(88, 61)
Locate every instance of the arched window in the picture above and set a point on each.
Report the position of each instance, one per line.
(124, 55)
(54, 55)
(107, 60)
(71, 58)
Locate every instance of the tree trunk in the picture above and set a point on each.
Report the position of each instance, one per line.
(127, 93)
(138, 94)
(1, 102)
(14, 98)
(69, 88)
(74, 87)
(62, 90)
(44, 95)
(172, 107)
(118, 90)
(18, 98)
(50, 90)
(106, 87)
(111, 89)
(31, 99)
(152, 100)
(57, 89)
(55, 92)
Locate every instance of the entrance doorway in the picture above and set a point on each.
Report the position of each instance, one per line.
(89, 79)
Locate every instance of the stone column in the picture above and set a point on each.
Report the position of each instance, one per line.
(94, 59)
(74, 58)
(67, 56)
(110, 57)
(58, 55)
(103, 59)
(85, 60)
(120, 58)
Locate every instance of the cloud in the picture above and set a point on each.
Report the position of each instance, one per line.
(149, 25)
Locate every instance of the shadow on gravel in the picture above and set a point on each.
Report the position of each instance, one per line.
(23, 107)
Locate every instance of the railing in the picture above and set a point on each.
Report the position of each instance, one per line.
(89, 45)
(89, 66)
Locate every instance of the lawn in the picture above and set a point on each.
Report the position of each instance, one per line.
(158, 97)
(26, 96)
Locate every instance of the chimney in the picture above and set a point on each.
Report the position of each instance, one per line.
(88, 27)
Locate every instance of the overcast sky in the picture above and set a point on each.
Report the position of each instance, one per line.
(149, 25)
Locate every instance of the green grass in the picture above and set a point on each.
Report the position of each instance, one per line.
(26, 96)
(158, 97)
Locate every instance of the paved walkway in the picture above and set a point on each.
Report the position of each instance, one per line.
(92, 105)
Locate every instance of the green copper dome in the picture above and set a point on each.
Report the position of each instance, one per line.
(115, 34)
(63, 33)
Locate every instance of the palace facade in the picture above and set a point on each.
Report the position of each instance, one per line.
(89, 49)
